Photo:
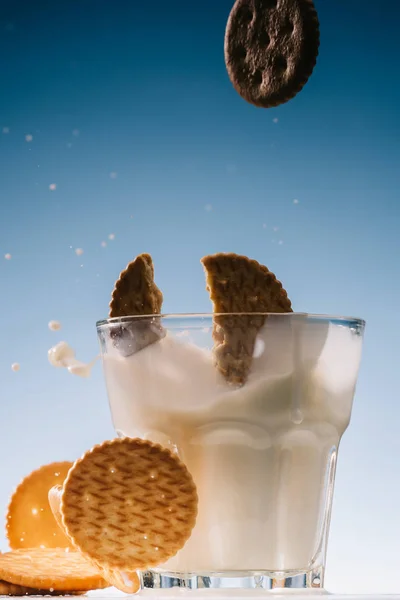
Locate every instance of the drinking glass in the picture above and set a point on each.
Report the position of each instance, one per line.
(255, 406)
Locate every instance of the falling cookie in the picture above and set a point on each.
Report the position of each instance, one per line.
(30, 522)
(271, 48)
(238, 284)
(136, 294)
(55, 569)
(129, 504)
(127, 582)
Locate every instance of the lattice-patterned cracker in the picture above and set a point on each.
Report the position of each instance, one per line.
(127, 582)
(129, 504)
(136, 294)
(238, 284)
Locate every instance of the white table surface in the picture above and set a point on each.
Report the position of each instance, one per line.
(240, 595)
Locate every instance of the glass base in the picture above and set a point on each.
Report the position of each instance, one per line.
(312, 581)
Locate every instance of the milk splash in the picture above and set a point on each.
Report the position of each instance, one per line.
(62, 355)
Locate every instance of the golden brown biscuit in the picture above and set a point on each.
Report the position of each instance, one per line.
(135, 292)
(126, 582)
(10, 589)
(50, 569)
(238, 284)
(30, 522)
(129, 504)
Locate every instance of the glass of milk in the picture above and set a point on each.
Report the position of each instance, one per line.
(262, 450)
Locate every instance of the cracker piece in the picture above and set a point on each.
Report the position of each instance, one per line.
(238, 284)
(136, 294)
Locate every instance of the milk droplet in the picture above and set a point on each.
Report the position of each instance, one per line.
(297, 416)
(15, 367)
(54, 325)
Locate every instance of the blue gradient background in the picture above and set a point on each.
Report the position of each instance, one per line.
(145, 85)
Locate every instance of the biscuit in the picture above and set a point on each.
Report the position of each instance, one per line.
(129, 504)
(10, 589)
(58, 569)
(271, 48)
(126, 582)
(134, 294)
(29, 521)
(238, 284)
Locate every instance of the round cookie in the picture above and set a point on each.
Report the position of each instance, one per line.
(125, 582)
(271, 48)
(51, 569)
(129, 504)
(30, 522)
(11, 589)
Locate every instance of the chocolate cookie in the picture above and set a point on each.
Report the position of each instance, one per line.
(271, 48)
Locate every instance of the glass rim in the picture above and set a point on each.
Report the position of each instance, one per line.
(356, 321)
